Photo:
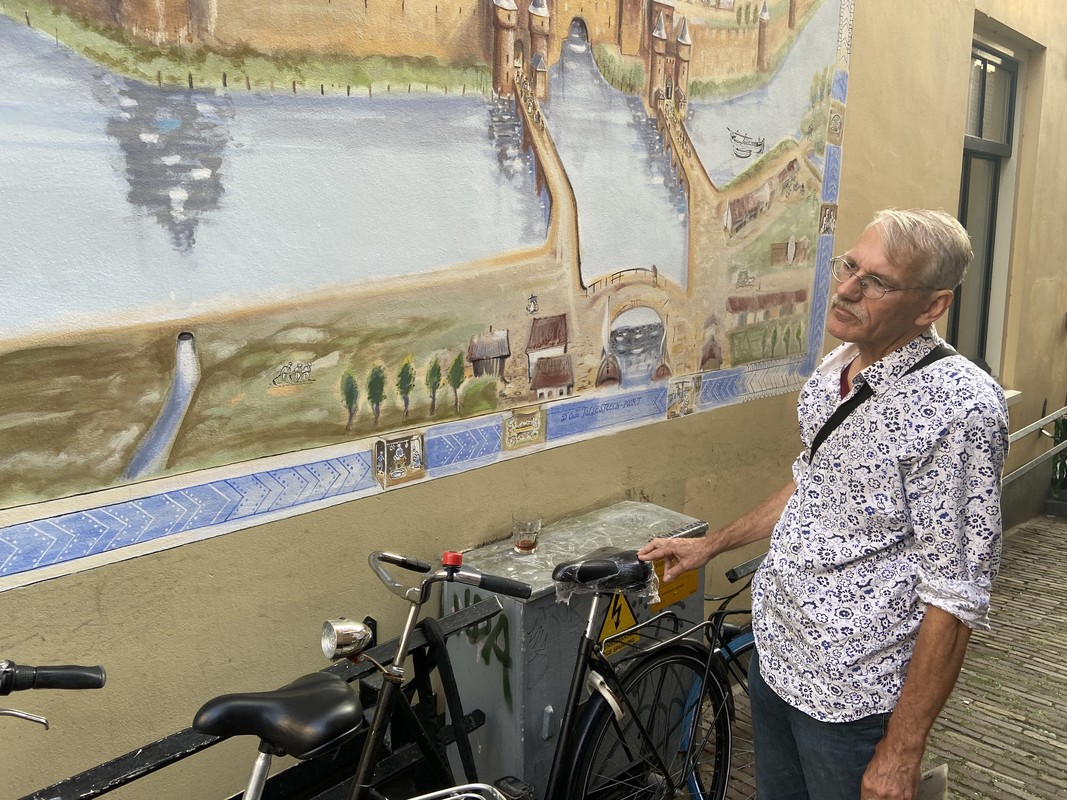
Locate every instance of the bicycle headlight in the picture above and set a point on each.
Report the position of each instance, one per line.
(344, 637)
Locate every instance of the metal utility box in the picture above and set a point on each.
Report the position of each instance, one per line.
(517, 666)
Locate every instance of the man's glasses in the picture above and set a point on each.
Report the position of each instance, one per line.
(872, 286)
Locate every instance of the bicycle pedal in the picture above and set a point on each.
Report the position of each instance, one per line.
(515, 789)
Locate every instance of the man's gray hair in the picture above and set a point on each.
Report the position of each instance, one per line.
(932, 243)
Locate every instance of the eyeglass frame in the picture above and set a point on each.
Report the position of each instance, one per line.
(852, 271)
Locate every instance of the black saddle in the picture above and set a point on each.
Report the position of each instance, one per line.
(605, 570)
(312, 715)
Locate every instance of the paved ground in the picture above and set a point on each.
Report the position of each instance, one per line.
(1004, 730)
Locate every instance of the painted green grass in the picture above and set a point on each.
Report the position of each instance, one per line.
(771, 339)
(625, 73)
(244, 67)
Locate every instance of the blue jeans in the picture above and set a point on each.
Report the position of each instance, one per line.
(799, 757)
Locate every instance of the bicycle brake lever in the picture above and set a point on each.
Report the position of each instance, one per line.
(14, 712)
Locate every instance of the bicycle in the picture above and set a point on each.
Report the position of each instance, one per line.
(280, 720)
(17, 677)
(657, 721)
(317, 714)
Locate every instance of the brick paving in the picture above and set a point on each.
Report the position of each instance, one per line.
(1003, 732)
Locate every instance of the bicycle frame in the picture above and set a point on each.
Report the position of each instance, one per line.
(393, 676)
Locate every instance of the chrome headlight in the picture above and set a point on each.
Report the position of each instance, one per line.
(344, 637)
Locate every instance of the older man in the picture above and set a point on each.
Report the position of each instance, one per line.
(884, 544)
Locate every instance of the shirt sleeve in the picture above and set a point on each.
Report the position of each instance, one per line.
(953, 493)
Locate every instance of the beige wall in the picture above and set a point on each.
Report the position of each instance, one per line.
(242, 612)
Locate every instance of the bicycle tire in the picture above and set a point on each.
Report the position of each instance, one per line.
(734, 657)
(695, 748)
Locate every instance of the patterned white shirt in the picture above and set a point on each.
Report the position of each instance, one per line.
(899, 509)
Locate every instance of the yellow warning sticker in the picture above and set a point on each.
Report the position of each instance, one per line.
(620, 617)
(678, 589)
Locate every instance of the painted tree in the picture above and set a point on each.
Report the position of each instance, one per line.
(433, 383)
(455, 379)
(350, 394)
(376, 390)
(405, 381)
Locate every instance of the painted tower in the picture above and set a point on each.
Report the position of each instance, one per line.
(669, 55)
(761, 42)
(657, 62)
(666, 9)
(685, 52)
(505, 21)
(539, 29)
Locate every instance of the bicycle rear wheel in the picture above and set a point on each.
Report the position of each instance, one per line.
(735, 655)
(689, 729)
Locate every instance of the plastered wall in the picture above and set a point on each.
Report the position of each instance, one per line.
(242, 611)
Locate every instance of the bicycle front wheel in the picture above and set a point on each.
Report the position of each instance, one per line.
(687, 720)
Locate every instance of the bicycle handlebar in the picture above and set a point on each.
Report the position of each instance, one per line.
(452, 570)
(494, 583)
(15, 677)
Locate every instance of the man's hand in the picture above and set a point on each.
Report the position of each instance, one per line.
(892, 774)
(678, 555)
(681, 555)
(896, 767)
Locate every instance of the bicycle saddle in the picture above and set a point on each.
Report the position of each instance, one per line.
(605, 570)
(311, 715)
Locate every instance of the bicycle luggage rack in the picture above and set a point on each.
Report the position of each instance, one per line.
(303, 781)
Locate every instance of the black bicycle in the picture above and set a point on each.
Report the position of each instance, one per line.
(652, 722)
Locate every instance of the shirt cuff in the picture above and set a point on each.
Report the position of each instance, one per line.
(967, 601)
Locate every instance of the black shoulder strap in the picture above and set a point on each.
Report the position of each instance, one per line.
(864, 393)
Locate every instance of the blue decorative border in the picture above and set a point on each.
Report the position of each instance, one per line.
(68, 537)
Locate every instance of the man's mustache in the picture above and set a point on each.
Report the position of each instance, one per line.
(855, 309)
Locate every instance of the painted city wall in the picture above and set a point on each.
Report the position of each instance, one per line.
(253, 268)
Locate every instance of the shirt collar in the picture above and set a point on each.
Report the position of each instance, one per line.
(884, 373)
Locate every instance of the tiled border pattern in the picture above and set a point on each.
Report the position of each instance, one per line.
(64, 543)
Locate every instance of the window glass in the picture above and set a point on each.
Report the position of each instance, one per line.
(974, 98)
(968, 319)
(996, 124)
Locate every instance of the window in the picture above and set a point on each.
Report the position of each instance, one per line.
(975, 322)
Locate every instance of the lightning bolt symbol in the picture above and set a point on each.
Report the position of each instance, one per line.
(616, 611)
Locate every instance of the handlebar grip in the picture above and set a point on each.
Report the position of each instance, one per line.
(405, 562)
(58, 677)
(508, 586)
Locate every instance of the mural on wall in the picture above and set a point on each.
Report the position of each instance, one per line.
(379, 242)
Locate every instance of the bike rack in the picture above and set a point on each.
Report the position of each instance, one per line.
(303, 781)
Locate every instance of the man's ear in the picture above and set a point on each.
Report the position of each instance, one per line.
(938, 303)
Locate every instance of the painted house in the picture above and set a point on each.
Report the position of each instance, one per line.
(488, 353)
(548, 338)
(553, 377)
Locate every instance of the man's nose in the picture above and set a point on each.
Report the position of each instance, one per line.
(851, 288)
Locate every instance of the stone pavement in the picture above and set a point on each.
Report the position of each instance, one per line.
(1003, 732)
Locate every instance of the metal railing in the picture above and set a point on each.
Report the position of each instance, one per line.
(1039, 427)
